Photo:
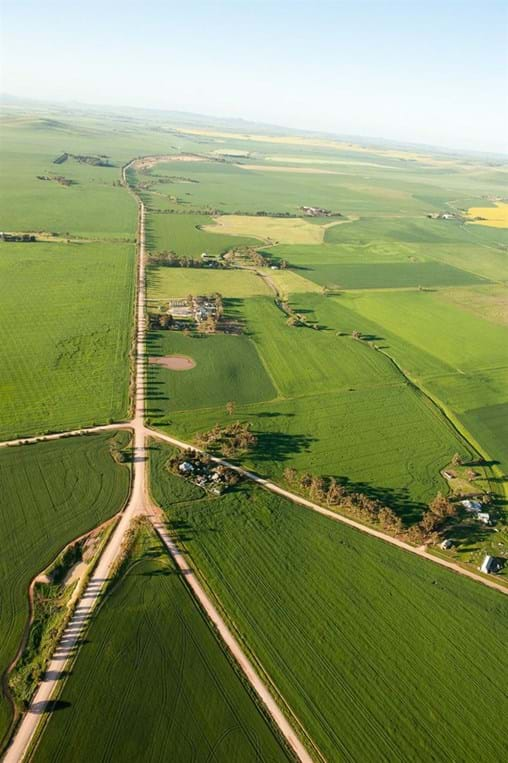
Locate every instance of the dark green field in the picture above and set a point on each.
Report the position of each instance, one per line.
(382, 656)
(170, 691)
(490, 425)
(50, 494)
(388, 275)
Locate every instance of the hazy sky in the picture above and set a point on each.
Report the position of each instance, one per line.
(432, 72)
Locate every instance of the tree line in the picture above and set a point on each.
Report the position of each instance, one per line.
(172, 260)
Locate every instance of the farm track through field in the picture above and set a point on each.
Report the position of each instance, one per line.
(140, 503)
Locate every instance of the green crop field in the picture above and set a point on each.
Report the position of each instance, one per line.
(380, 655)
(170, 690)
(388, 275)
(65, 334)
(248, 188)
(92, 206)
(463, 341)
(388, 443)
(227, 367)
(340, 408)
(182, 234)
(380, 383)
(165, 282)
(51, 493)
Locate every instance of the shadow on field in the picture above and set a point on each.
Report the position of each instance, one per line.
(279, 446)
(56, 675)
(399, 500)
(273, 415)
(470, 533)
(182, 529)
(49, 707)
(149, 235)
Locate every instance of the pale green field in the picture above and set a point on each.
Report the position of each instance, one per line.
(164, 282)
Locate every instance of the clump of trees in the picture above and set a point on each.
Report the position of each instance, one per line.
(161, 321)
(328, 491)
(230, 440)
(440, 510)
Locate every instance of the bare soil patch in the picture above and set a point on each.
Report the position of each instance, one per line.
(174, 362)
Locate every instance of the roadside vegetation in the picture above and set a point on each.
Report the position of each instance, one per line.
(52, 493)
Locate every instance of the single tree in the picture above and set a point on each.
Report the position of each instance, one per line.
(230, 407)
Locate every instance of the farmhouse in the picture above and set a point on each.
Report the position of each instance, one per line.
(446, 544)
(186, 468)
(472, 506)
(490, 564)
(319, 212)
(484, 517)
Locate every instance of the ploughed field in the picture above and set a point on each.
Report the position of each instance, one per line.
(378, 653)
(168, 686)
(52, 492)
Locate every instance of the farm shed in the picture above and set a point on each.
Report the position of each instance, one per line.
(186, 467)
(470, 505)
(446, 544)
(490, 564)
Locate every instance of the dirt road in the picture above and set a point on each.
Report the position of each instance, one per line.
(69, 433)
(137, 504)
(229, 639)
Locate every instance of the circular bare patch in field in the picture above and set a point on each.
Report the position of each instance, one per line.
(174, 362)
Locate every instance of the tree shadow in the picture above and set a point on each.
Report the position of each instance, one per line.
(273, 415)
(399, 500)
(40, 708)
(279, 446)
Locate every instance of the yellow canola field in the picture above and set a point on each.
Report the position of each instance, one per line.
(494, 217)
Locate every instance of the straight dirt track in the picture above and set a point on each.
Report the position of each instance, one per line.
(139, 503)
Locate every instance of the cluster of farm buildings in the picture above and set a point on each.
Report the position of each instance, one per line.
(205, 474)
(200, 308)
